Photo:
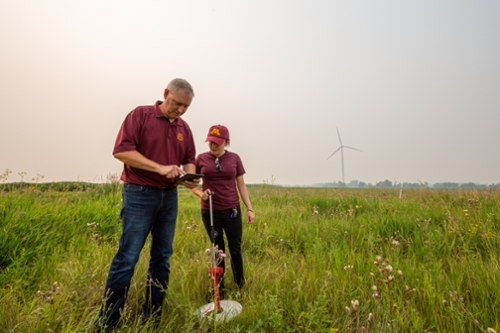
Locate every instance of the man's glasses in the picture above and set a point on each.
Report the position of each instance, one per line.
(217, 164)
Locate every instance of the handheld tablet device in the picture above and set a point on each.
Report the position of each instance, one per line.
(189, 176)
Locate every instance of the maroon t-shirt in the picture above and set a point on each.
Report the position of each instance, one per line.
(221, 182)
(147, 130)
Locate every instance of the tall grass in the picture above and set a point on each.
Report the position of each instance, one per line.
(316, 260)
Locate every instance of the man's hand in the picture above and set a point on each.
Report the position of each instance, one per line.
(190, 184)
(171, 171)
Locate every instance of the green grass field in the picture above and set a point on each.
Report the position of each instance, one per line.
(316, 260)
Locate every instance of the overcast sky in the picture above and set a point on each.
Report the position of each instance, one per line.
(415, 85)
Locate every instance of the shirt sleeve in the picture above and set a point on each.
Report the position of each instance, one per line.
(128, 136)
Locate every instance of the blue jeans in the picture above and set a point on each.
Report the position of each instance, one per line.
(145, 210)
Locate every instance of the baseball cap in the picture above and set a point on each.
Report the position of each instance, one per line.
(218, 134)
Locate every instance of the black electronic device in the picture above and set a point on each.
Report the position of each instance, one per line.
(189, 176)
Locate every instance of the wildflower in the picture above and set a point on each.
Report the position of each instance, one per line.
(207, 251)
(222, 255)
(445, 302)
(390, 278)
(490, 330)
(355, 305)
(348, 267)
(376, 295)
(370, 315)
(374, 288)
(400, 273)
(348, 310)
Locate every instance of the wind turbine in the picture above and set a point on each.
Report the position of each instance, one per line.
(341, 148)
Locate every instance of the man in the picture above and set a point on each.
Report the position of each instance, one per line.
(153, 142)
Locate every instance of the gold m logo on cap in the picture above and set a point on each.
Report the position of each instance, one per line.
(180, 137)
(215, 131)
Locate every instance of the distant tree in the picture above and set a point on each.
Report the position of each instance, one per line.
(470, 185)
(353, 183)
(411, 185)
(384, 184)
(446, 185)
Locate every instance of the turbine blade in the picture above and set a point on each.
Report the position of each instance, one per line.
(352, 148)
(334, 152)
(338, 133)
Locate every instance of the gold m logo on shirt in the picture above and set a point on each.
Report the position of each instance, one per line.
(180, 137)
(215, 131)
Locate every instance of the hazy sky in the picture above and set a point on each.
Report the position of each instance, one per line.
(415, 85)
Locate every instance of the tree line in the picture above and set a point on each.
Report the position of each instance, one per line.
(389, 184)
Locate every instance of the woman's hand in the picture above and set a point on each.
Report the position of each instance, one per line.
(205, 194)
(250, 216)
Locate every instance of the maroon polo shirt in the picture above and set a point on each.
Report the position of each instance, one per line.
(147, 130)
(221, 182)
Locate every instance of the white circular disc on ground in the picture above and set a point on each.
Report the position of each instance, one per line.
(230, 309)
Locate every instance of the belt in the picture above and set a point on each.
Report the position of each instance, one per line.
(170, 187)
(164, 187)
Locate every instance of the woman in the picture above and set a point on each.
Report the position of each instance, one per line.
(223, 180)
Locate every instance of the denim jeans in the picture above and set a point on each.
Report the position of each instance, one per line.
(145, 210)
(232, 226)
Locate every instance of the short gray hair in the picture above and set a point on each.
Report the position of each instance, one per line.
(177, 84)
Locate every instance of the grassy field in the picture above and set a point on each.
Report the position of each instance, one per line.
(317, 260)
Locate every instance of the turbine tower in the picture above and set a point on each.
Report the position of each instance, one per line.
(341, 148)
